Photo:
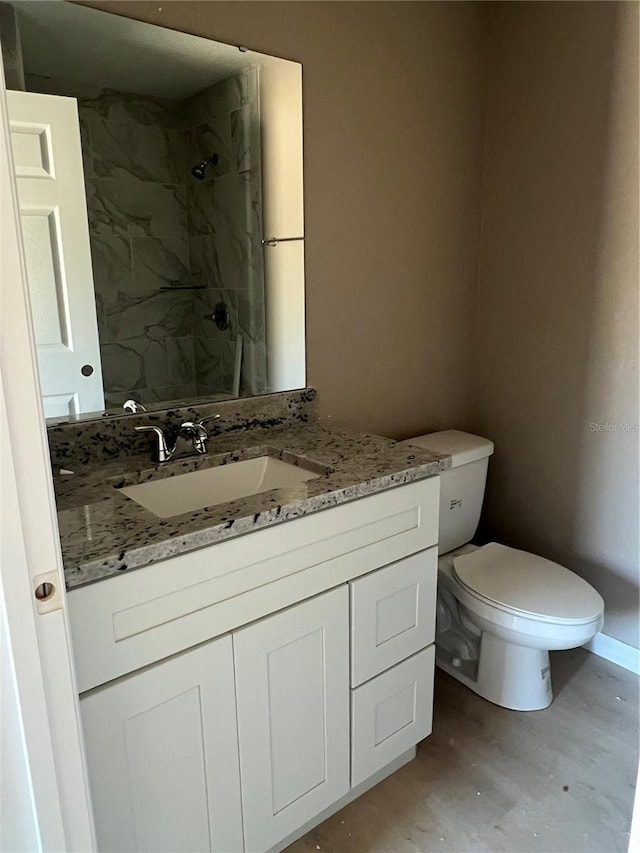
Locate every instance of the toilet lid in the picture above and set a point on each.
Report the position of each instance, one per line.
(519, 581)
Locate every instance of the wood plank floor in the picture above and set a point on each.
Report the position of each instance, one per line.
(488, 779)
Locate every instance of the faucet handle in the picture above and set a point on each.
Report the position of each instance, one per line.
(194, 427)
(163, 452)
(199, 434)
(208, 418)
(132, 406)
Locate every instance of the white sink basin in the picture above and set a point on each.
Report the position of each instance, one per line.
(197, 489)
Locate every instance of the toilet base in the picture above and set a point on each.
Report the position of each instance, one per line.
(514, 677)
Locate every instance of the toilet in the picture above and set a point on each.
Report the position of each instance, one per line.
(499, 610)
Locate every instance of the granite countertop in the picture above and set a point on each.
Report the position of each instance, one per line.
(103, 533)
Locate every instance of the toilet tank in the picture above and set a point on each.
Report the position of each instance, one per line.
(461, 486)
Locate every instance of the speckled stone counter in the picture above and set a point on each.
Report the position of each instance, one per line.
(104, 533)
(89, 439)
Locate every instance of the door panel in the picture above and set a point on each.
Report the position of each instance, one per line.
(40, 233)
(289, 739)
(45, 136)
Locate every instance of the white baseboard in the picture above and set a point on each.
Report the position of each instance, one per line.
(616, 651)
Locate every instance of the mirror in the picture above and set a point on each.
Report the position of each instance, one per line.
(185, 279)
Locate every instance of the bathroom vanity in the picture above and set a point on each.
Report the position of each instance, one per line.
(237, 689)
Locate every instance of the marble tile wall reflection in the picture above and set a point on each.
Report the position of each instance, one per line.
(225, 229)
(156, 230)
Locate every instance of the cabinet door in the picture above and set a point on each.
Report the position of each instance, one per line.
(292, 681)
(162, 752)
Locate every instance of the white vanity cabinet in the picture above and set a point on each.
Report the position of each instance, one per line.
(235, 696)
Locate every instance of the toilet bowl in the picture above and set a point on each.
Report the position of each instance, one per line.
(499, 610)
(518, 607)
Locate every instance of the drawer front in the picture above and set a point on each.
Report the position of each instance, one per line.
(390, 714)
(393, 614)
(127, 622)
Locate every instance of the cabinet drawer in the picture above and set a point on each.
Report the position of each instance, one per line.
(393, 613)
(130, 621)
(390, 714)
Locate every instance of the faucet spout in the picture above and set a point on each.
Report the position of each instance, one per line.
(163, 453)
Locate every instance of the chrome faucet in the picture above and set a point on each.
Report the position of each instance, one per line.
(194, 429)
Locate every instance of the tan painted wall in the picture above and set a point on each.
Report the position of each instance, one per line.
(393, 106)
(394, 99)
(557, 324)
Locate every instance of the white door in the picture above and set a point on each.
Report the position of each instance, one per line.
(162, 751)
(292, 684)
(44, 798)
(45, 137)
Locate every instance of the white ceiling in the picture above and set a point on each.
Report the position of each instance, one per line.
(70, 42)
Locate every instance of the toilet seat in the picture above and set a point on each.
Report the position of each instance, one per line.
(524, 584)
